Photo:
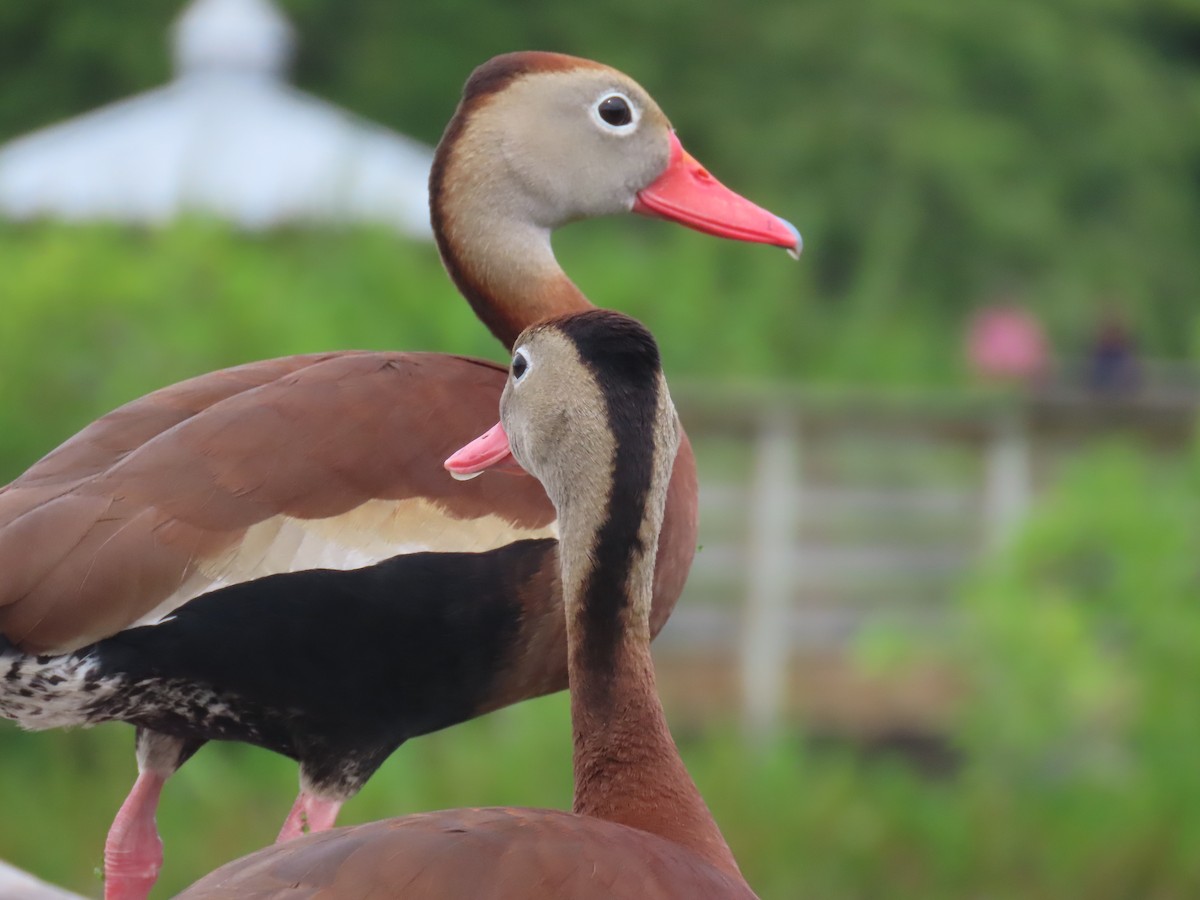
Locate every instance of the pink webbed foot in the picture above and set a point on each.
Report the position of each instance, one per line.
(133, 852)
(309, 814)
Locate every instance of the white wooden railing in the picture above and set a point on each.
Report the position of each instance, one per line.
(821, 511)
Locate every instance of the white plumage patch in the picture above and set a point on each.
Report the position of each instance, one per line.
(368, 534)
(40, 692)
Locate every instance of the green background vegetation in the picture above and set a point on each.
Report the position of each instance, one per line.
(933, 155)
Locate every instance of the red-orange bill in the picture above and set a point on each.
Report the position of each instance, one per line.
(686, 193)
(488, 451)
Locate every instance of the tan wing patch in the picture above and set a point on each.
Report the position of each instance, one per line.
(370, 533)
(229, 476)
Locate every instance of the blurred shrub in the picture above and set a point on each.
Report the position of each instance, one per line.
(1083, 651)
(1079, 649)
(1084, 632)
(932, 153)
(93, 317)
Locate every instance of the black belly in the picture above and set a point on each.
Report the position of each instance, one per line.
(332, 668)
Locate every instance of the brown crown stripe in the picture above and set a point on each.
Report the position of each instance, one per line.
(499, 72)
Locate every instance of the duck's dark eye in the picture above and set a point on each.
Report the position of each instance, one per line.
(519, 365)
(615, 110)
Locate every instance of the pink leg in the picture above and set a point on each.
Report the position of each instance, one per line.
(308, 814)
(133, 852)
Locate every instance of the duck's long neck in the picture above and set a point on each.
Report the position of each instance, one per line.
(499, 259)
(627, 767)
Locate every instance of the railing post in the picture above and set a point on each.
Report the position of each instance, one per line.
(1008, 478)
(774, 515)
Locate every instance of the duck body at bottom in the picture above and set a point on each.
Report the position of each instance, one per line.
(474, 854)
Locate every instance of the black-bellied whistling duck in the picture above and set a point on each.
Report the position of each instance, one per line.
(333, 460)
(587, 411)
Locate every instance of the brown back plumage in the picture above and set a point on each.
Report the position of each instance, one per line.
(223, 477)
(481, 854)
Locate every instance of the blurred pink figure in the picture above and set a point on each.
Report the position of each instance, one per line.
(1006, 343)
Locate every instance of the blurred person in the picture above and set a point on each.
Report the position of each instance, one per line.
(1006, 343)
(1113, 366)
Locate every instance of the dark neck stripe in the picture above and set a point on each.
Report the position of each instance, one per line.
(624, 360)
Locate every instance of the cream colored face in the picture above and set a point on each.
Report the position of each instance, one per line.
(555, 415)
(575, 144)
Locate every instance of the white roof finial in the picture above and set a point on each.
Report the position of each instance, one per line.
(246, 35)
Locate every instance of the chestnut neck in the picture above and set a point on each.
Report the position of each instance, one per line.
(497, 257)
(626, 764)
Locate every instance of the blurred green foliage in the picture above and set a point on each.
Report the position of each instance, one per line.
(94, 317)
(1081, 653)
(932, 153)
(1085, 635)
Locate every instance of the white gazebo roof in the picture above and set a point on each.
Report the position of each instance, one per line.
(226, 138)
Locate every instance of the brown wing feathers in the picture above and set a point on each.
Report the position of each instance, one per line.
(108, 527)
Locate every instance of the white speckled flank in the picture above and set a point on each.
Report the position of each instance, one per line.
(370, 533)
(40, 692)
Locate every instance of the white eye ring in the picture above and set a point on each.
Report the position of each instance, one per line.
(635, 114)
(520, 359)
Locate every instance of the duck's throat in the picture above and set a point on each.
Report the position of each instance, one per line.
(627, 767)
(507, 271)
